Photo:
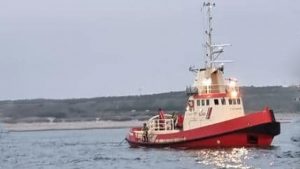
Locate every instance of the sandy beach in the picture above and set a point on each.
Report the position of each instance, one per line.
(18, 127)
(14, 127)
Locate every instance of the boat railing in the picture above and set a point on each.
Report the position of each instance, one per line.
(214, 88)
(191, 90)
(157, 124)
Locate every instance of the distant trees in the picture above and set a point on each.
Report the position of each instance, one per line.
(280, 99)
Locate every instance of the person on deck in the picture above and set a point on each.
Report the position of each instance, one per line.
(161, 122)
(145, 133)
(180, 119)
(161, 113)
(174, 117)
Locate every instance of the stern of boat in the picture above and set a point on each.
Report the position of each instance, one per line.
(266, 128)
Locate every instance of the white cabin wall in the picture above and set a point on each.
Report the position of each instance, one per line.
(216, 77)
(211, 81)
(197, 116)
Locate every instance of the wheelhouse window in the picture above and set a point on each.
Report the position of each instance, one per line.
(207, 102)
(203, 102)
(238, 101)
(234, 101)
(216, 101)
(223, 101)
(230, 101)
(198, 102)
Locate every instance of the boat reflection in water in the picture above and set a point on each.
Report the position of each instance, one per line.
(223, 158)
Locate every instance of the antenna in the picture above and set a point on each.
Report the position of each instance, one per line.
(213, 51)
(193, 69)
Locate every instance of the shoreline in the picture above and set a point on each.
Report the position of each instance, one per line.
(85, 125)
(89, 125)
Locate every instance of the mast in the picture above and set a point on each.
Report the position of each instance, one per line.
(208, 32)
(212, 50)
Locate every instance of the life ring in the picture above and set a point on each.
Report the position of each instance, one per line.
(191, 103)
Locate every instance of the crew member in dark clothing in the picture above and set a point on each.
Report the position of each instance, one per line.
(174, 117)
(145, 133)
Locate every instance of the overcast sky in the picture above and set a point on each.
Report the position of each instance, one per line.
(91, 48)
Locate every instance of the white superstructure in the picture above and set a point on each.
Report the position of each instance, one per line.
(212, 99)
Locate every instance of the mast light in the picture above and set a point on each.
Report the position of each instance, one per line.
(207, 82)
(232, 84)
(233, 94)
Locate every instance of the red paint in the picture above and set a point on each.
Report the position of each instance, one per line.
(213, 95)
(227, 140)
(210, 95)
(180, 119)
(231, 133)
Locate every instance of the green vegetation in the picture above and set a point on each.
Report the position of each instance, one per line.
(280, 99)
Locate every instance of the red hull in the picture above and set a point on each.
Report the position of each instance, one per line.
(253, 130)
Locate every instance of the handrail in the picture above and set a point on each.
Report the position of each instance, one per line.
(161, 124)
(214, 88)
(157, 124)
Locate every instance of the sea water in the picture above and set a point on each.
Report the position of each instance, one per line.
(105, 149)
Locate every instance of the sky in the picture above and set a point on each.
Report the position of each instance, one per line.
(91, 48)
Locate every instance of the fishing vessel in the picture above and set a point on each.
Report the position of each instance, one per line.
(214, 115)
